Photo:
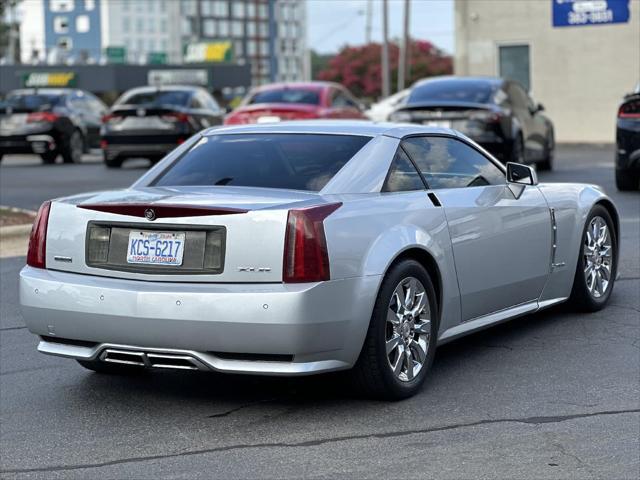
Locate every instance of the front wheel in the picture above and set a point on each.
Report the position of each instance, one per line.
(72, 151)
(401, 340)
(49, 158)
(597, 262)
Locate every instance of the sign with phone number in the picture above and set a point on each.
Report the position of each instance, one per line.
(576, 13)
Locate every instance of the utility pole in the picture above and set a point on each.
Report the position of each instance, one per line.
(385, 49)
(404, 48)
(367, 28)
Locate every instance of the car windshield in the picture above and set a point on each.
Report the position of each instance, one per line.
(287, 95)
(32, 101)
(452, 91)
(178, 98)
(287, 161)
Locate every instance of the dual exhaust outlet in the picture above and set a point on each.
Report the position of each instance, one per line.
(151, 360)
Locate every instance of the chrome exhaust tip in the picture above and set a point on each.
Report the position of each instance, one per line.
(151, 360)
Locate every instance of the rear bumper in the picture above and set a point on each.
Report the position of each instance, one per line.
(318, 327)
(141, 145)
(33, 143)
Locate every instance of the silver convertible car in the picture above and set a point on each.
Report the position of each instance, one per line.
(300, 248)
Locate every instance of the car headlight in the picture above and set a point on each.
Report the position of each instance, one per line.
(400, 117)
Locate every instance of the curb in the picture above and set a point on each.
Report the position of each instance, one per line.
(15, 231)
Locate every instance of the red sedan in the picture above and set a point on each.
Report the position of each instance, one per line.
(296, 101)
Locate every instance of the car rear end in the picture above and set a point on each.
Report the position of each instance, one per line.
(279, 102)
(466, 105)
(30, 122)
(210, 276)
(628, 143)
(146, 124)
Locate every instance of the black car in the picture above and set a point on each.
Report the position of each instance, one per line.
(149, 122)
(496, 113)
(628, 143)
(50, 122)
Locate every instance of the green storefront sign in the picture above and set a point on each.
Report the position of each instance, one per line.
(157, 58)
(116, 54)
(49, 79)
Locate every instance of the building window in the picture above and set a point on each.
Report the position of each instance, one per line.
(237, 28)
(188, 7)
(251, 48)
(251, 29)
(237, 48)
(186, 26)
(89, 5)
(65, 43)
(514, 64)
(61, 5)
(140, 24)
(262, 11)
(126, 24)
(238, 9)
(221, 8)
(251, 10)
(83, 25)
(163, 5)
(209, 27)
(163, 25)
(206, 8)
(223, 28)
(61, 25)
(264, 29)
(264, 49)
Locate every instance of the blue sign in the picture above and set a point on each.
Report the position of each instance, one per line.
(576, 13)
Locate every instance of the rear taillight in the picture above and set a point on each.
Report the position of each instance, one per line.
(38, 238)
(305, 246)
(630, 110)
(37, 117)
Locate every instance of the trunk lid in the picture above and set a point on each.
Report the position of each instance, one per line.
(248, 225)
(273, 112)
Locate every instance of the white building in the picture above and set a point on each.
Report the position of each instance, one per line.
(577, 57)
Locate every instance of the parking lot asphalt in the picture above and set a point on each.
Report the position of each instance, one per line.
(550, 395)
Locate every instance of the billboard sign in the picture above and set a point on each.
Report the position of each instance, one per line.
(49, 79)
(576, 13)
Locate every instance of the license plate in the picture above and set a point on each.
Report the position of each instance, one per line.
(438, 123)
(268, 119)
(155, 248)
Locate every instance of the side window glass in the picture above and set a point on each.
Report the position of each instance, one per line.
(195, 102)
(340, 100)
(449, 163)
(403, 176)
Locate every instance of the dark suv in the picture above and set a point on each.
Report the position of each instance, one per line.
(50, 122)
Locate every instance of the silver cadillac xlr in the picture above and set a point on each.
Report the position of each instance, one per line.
(300, 248)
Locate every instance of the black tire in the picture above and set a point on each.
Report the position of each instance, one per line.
(517, 150)
(73, 148)
(111, 368)
(582, 299)
(547, 162)
(115, 162)
(373, 374)
(49, 157)
(627, 180)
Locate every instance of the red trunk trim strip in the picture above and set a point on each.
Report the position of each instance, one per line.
(160, 211)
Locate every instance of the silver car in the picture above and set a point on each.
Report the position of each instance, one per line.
(300, 248)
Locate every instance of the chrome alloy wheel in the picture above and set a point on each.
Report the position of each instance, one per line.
(408, 329)
(598, 257)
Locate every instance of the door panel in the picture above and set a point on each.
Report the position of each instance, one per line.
(501, 245)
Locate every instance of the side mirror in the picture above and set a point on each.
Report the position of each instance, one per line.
(540, 108)
(521, 174)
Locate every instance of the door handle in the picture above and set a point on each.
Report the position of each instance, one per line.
(434, 199)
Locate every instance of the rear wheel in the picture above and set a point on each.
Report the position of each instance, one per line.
(547, 161)
(401, 340)
(49, 157)
(627, 180)
(110, 368)
(72, 150)
(113, 162)
(596, 269)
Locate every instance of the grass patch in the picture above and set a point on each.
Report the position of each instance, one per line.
(12, 216)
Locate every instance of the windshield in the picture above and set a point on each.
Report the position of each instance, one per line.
(288, 161)
(179, 98)
(32, 101)
(287, 95)
(452, 91)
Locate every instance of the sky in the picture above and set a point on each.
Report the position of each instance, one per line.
(334, 23)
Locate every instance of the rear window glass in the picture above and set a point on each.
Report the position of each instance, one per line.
(288, 161)
(32, 101)
(167, 97)
(453, 91)
(287, 95)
